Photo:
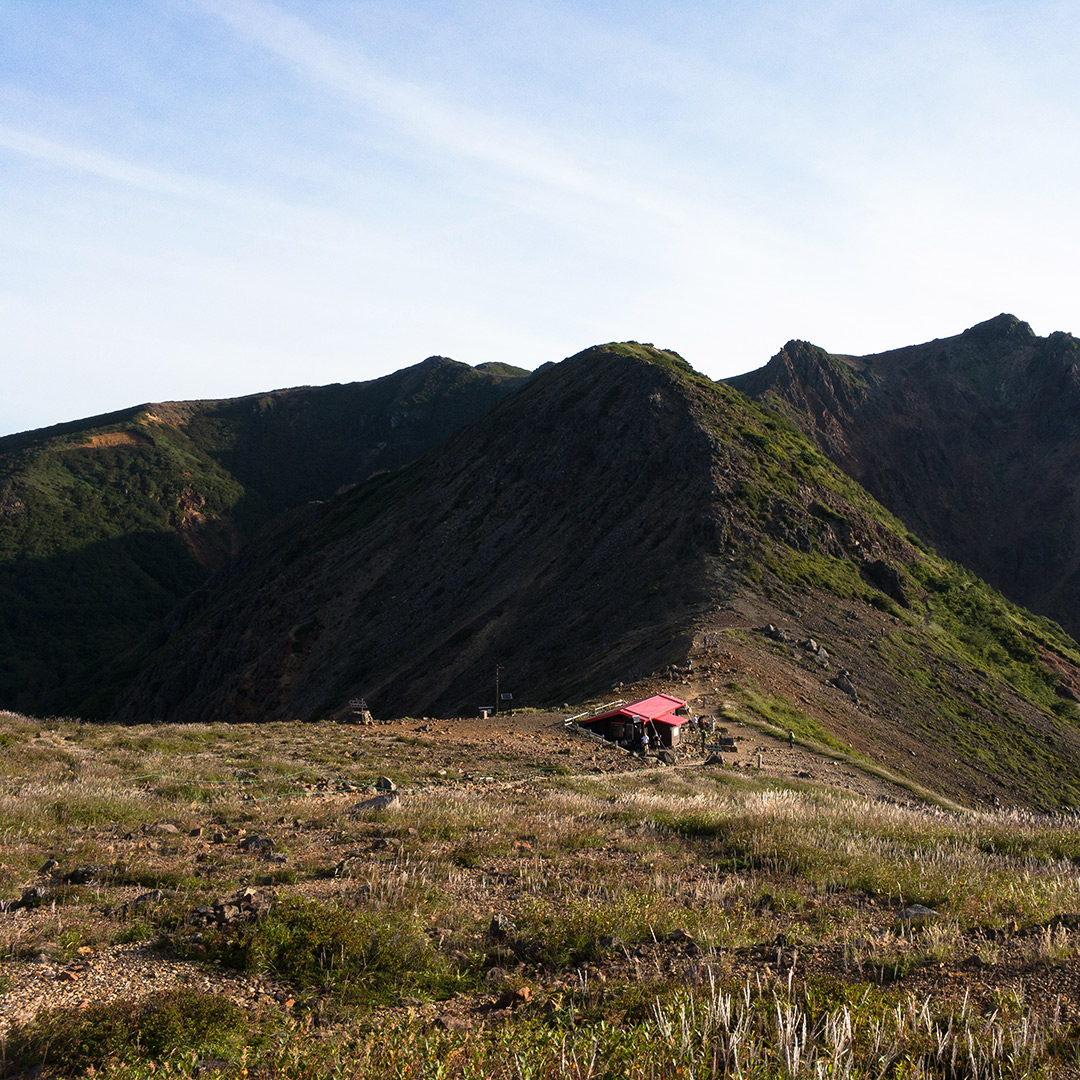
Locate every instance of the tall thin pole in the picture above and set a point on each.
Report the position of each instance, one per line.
(498, 668)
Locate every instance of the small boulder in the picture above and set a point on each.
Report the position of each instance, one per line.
(84, 875)
(843, 682)
(453, 1023)
(259, 845)
(500, 928)
(512, 999)
(34, 896)
(916, 915)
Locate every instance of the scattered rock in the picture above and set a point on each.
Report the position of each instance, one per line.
(210, 1067)
(381, 843)
(916, 915)
(242, 906)
(513, 999)
(886, 578)
(843, 682)
(678, 936)
(259, 845)
(453, 1023)
(384, 783)
(85, 875)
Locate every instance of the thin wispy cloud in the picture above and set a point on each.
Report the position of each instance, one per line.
(246, 209)
(418, 112)
(209, 197)
(106, 166)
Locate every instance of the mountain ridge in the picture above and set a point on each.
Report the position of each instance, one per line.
(621, 519)
(105, 524)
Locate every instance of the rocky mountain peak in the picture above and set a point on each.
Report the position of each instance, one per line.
(1002, 329)
(973, 440)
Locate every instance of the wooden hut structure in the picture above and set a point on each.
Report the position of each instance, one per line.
(661, 713)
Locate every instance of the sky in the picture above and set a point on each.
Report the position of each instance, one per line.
(208, 198)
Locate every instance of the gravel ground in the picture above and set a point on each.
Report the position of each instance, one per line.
(111, 973)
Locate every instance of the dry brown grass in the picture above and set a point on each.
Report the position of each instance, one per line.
(651, 901)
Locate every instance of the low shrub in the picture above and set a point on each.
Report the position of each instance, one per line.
(361, 956)
(67, 1041)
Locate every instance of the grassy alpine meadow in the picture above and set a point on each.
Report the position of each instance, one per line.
(424, 899)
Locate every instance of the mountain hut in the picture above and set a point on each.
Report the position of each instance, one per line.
(660, 713)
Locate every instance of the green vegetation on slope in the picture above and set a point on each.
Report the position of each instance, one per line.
(92, 551)
(960, 654)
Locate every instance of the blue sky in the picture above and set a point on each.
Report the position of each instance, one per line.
(205, 198)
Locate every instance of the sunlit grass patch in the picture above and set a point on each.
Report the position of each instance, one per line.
(363, 956)
(71, 1041)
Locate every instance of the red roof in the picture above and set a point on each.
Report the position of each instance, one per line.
(659, 707)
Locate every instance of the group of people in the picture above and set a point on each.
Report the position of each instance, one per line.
(643, 738)
(704, 726)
